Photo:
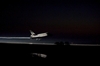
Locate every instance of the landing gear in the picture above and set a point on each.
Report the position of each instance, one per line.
(38, 39)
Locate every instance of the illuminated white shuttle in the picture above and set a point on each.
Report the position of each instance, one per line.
(33, 35)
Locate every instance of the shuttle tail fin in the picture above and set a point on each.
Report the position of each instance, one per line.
(32, 33)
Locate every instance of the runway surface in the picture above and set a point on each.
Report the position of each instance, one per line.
(41, 41)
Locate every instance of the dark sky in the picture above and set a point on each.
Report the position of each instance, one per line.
(74, 18)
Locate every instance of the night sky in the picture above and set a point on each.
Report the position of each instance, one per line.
(63, 18)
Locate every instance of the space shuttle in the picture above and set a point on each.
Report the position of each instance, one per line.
(33, 35)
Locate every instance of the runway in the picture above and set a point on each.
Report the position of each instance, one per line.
(14, 37)
(42, 41)
(26, 40)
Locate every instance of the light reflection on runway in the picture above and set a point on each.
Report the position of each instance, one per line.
(27, 40)
(42, 41)
(14, 37)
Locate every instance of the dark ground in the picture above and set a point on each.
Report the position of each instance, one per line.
(22, 53)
